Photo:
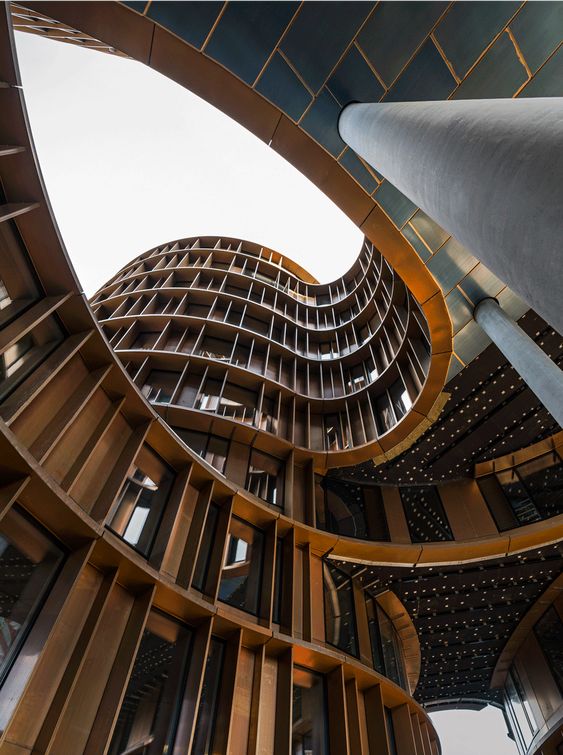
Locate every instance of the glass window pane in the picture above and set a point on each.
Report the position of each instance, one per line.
(141, 501)
(18, 284)
(205, 724)
(519, 715)
(391, 650)
(339, 609)
(543, 478)
(204, 553)
(265, 477)
(425, 514)
(549, 631)
(309, 720)
(345, 512)
(29, 561)
(241, 577)
(518, 497)
(375, 635)
(150, 706)
(160, 386)
(22, 357)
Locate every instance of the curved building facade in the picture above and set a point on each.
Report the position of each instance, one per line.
(242, 512)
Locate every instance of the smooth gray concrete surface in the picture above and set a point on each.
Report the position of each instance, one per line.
(489, 171)
(536, 369)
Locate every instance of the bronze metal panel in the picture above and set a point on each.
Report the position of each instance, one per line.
(337, 713)
(78, 718)
(375, 719)
(34, 700)
(402, 724)
(114, 692)
(283, 714)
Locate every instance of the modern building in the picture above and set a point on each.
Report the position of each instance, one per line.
(245, 512)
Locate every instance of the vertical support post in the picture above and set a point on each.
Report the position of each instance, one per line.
(533, 365)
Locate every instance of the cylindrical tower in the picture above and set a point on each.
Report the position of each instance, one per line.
(225, 334)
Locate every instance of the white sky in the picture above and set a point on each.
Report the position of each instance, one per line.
(132, 160)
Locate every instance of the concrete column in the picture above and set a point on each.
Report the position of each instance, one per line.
(489, 171)
(533, 365)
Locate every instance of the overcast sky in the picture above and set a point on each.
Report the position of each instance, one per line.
(132, 160)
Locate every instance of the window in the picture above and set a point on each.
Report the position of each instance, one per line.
(18, 286)
(386, 645)
(146, 340)
(141, 501)
(425, 514)
(528, 493)
(543, 478)
(390, 731)
(278, 582)
(147, 719)
(29, 561)
(400, 398)
(22, 357)
(205, 724)
(384, 417)
(204, 554)
(344, 508)
(160, 386)
(265, 477)
(518, 713)
(309, 719)
(518, 497)
(238, 403)
(210, 447)
(216, 348)
(340, 622)
(549, 633)
(208, 399)
(335, 438)
(241, 577)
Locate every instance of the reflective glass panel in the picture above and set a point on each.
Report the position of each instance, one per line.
(241, 576)
(543, 478)
(148, 716)
(141, 501)
(309, 720)
(339, 609)
(265, 477)
(425, 514)
(205, 724)
(22, 357)
(28, 564)
(549, 632)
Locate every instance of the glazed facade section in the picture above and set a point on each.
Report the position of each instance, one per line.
(225, 329)
(533, 684)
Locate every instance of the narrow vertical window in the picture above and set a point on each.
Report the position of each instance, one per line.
(141, 501)
(29, 561)
(241, 577)
(148, 716)
(205, 724)
(309, 719)
(340, 618)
